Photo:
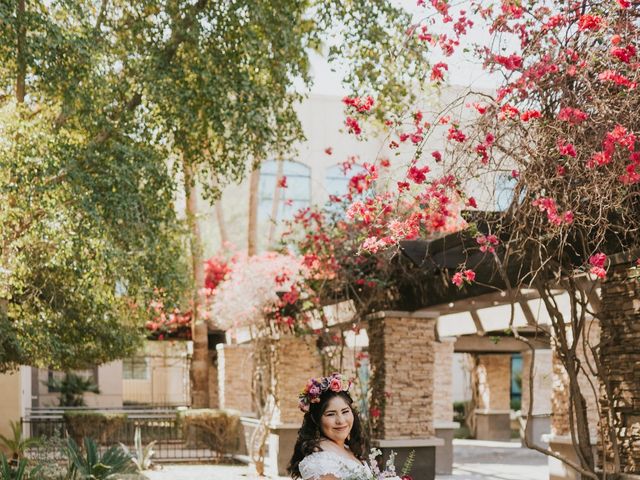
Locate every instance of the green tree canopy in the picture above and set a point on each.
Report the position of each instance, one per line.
(100, 99)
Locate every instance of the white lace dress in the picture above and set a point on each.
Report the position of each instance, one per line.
(318, 464)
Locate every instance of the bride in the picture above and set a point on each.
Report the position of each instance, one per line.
(330, 443)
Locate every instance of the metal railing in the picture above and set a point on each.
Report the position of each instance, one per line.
(174, 442)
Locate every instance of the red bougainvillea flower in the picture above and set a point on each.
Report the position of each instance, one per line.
(618, 79)
(511, 62)
(328, 151)
(590, 22)
(455, 134)
(436, 155)
(418, 175)
(530, 115)
(548, 205)
(353, 125)
(282, 182)
(436, 71)
(359, 104)
(624, 54)
(566, 149)
(623, 3)
(572, 115)
(598, 260)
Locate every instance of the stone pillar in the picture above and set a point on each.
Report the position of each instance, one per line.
(443, 422)
(297, 360)
(235, 370)
(493, 412)
(16, 399)
(539, 423)
(402, 355)
(560, 438)
(620, 357)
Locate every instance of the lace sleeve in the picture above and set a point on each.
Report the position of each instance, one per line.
(319, 463)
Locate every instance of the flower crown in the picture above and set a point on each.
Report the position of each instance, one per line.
(316, 387)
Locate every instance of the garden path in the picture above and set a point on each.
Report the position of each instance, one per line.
(474, 460)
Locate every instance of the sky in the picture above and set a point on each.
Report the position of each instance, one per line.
(462, 70)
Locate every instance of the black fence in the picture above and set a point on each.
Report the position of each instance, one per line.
(174, 441)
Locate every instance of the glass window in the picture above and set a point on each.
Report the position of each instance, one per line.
(336, 181)
(505, 186)
(135, 368)
(297, 195)
(516, 380)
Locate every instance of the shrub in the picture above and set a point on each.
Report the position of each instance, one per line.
(220, 430)
(96, 425)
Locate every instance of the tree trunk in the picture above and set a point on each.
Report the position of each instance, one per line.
(620, 358)
(21, 40)
(222, 226)
(200, 361)
(276, 202)
(252, 233)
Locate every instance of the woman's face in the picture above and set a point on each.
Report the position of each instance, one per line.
(337, 420)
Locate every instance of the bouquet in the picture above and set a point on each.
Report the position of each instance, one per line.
(373, 471)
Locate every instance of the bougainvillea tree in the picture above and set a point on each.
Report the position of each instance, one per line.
(561, 126)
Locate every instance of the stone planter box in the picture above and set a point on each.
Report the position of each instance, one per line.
(444, 453)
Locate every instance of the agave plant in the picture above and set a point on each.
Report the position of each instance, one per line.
(17, 444)
(141, 456)
(93, 466)
(18, 471)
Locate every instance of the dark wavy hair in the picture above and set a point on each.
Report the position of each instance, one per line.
(309, 435)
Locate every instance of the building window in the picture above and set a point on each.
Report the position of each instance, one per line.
(516, 381)
(336, 180)
(135, 368)
(297, 195)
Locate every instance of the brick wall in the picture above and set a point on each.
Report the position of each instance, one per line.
(494, 381)
(297, 360)
(620, 356)
(402, 363)
(560, 381)
(235, 369)
(542, 381)
(443, 380)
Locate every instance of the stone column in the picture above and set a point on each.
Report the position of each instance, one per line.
(560, 438)
(235, 369)
(297, 360)
(539, 423)
(443, 422)
(402, 355)
(620, 357)
(493, 412)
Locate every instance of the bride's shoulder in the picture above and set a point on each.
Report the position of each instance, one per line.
(319, 463)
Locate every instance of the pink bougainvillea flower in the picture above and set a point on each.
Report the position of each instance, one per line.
(385, 163)
(457, 279)
(436, 155)
(530, 115)
(515, 174)
(598, 260)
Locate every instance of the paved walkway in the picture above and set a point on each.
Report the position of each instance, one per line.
(473, 460)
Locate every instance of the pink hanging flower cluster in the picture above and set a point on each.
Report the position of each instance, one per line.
(466, 276)
(597, 263)
(548, 205)
(487, 242)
